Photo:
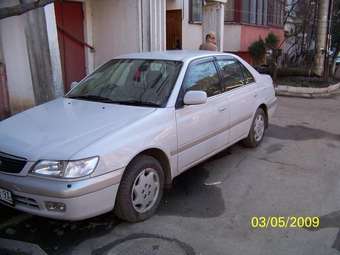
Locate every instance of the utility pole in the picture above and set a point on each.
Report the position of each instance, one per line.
(321, 38)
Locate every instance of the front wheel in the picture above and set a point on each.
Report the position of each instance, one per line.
(140, 190)
(257, 130)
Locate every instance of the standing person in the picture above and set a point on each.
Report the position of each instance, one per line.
(210, 42)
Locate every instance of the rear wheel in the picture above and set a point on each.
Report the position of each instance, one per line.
(140, 190)
(257, 129)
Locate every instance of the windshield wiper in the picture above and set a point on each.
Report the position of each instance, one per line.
(138, 103)
(108, 100)
(93, 98)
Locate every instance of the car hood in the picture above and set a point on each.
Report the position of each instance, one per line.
(62, 127)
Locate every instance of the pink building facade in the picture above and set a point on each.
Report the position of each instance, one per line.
(255, 19)
(249, 34)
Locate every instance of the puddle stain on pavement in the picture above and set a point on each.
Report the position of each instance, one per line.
(331, 145)
(274, 148)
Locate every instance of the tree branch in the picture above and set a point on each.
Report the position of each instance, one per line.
(290, 11)
(22, 8)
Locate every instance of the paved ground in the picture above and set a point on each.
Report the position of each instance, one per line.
(296, 171)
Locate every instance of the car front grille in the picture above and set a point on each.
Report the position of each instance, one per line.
(11, 164)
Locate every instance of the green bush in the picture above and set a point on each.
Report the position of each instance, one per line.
(271, 41)
(257, 49)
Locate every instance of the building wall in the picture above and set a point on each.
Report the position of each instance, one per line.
(15, 56)
(250, 34)
(191, 33)
(115, 28)
(17, 43)
(232, 38)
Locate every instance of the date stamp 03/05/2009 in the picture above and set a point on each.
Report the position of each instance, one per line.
(261, 222)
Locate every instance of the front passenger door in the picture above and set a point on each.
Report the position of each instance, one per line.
(201, 128)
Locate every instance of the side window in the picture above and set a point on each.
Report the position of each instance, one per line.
(232, 75)
(203, 77)
(248, 77)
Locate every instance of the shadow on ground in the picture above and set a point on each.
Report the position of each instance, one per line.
(190, 197)
(331, 220)
(300, 133)
(54, 237)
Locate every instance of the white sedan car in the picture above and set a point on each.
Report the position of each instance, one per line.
(126, 130)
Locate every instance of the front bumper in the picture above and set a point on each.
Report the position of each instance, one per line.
(83, 199)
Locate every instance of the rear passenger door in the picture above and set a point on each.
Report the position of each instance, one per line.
(201, 129)
(239, 88)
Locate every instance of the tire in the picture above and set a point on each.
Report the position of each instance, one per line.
(137, 198)
(254, 137)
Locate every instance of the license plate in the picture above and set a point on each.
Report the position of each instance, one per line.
(6, 196)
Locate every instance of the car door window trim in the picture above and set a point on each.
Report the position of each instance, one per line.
(179, 101)
(231, 88)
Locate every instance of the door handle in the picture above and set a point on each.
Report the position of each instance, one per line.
(222, 109)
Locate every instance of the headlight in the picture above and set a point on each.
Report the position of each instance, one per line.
(66, 169)
(80, 168)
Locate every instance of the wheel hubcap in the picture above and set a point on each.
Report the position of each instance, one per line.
(145, 190)
(259, 127)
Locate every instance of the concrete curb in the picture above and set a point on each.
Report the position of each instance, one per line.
(18, 247)
(284, 90)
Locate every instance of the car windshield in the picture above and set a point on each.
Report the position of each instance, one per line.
(142, 82)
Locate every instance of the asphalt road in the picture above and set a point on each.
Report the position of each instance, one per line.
(295, 172)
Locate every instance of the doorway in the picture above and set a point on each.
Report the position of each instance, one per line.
(70, 25)
(174, 29)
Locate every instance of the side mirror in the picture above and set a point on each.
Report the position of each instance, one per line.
(73, 84)
(194, 97)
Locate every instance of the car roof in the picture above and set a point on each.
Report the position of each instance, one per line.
(175, 55)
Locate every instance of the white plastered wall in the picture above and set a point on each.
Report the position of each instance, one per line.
(115, 28)
(15, 55)
(232, 38)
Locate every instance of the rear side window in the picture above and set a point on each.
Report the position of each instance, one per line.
(248, 77)
(232, 75)
(204, 77)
